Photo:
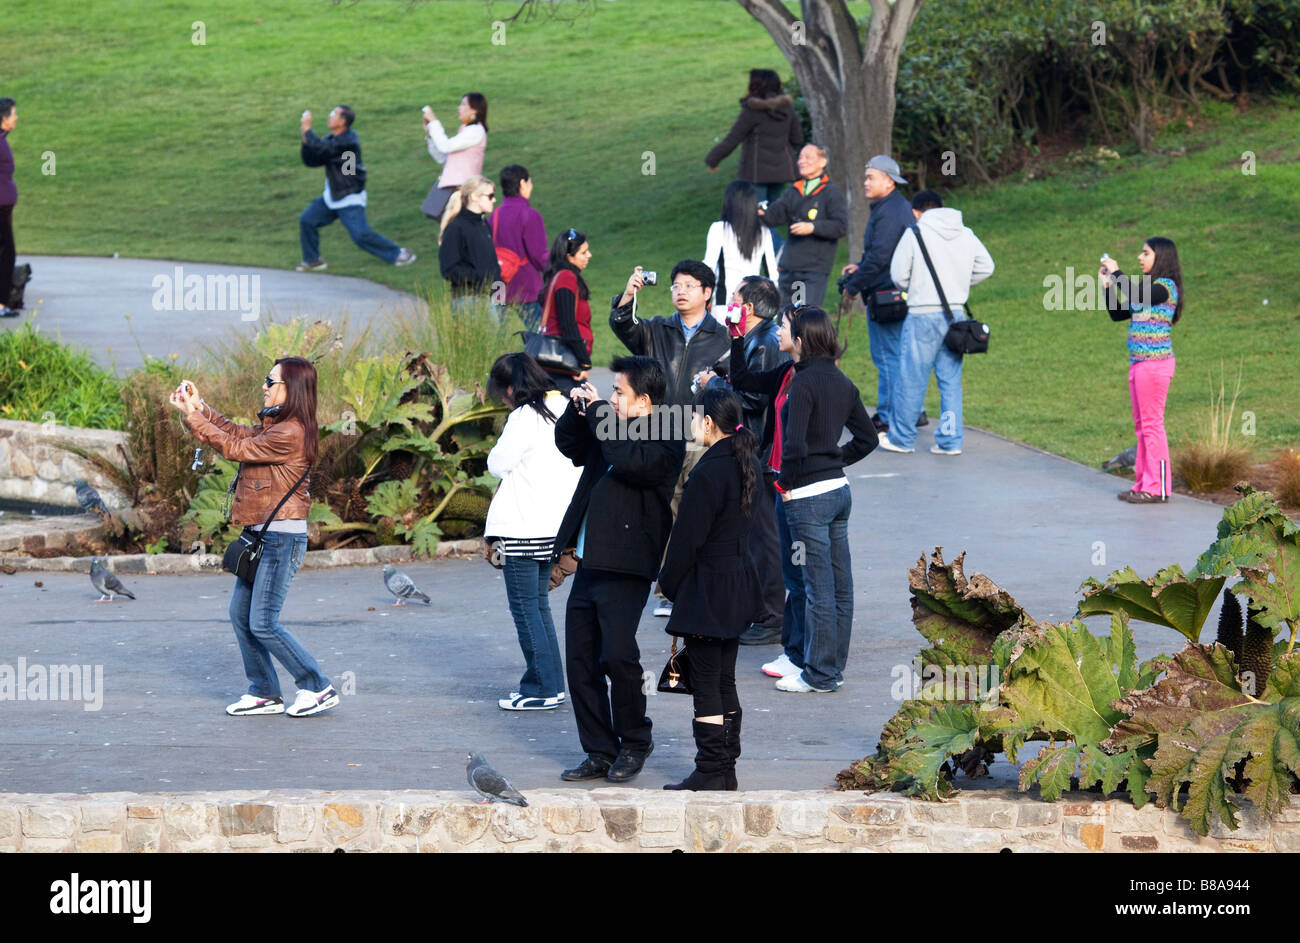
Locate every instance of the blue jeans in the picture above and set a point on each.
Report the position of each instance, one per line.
(354, 221)
(531, 314)
(792, 620)
(885, 348)
(821, 524)
(923, 350)
(528, 584)
(255, 614)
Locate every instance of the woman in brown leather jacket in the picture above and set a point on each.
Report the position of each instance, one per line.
(274, 458)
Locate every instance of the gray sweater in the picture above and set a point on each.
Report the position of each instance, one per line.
(958, 256)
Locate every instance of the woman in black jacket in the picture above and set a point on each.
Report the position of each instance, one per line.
(768, 132)
(467, 257)
(709, 575)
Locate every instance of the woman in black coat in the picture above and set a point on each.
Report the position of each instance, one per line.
(709, 575)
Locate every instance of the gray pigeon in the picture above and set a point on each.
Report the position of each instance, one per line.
(107, 583)
(1125, 459)
(89, 498)
(490, 784)
(402, 586)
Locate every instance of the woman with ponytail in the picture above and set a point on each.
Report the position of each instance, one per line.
(709, 575)
(467, 255)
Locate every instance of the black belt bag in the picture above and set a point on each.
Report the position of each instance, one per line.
(963, 337)
(887, 306)
(244, 554)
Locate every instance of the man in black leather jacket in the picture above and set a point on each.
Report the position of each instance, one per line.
(339, 152)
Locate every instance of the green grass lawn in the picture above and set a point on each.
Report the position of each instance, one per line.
(170, 150)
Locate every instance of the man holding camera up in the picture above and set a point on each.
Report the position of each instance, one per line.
(619, 521)
(818, 214)
(684, 344)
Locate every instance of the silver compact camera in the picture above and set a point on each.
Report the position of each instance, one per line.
(649, 278)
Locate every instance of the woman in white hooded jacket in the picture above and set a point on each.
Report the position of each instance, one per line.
(537, 483)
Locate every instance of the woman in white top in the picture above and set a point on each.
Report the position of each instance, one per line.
(461, 154)
(738, 244)
(537, 483)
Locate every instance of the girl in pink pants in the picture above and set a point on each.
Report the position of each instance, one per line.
(1152, 306)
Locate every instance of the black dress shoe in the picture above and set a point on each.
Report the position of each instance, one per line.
(593, 767)
(758, 634)
(627, 765)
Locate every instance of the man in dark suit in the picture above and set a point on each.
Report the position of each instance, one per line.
(619, 521)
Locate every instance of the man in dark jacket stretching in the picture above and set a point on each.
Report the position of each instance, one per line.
(619, 521)
(339, 152)
(818, 215)
(891, 216)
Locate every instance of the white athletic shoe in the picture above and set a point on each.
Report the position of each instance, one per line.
(248, 704)
(664, 609)
(781, 667)
(313, 702)
(890, 446)
(937, 450)
(795, 684)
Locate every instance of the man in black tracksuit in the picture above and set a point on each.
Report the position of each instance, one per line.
(818, 214)
(619, 521)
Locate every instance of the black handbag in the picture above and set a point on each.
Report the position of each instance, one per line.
(676, 676)
(551, 352)
(963, 337)
(245, 552)
(887, 306)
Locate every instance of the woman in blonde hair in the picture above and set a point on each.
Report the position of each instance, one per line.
(466, 255)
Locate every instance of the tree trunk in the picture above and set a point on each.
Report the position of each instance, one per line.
(849, 87)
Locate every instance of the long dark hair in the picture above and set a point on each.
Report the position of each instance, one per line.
(764, 83)
(478, 102)
(565, 244)
(1166, 266)
(815, 328)
(521, 374)
(740, 212)
(299, 378)
(728, 413)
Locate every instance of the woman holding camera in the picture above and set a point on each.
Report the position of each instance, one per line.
(275, 459)
(566, 305)
(1152, 311)
(537, 483)
(461, 154)
(708, 574)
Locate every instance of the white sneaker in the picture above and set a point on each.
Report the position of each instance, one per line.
(781, 667)
(317, 266)
(313, 702)
(405, 257)
(664, 609)
(890, 446)
(559, 697)
(937, 450)
(518, 702)
(249, 704)
(795, 684)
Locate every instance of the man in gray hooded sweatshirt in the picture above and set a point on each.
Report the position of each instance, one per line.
(961, 261)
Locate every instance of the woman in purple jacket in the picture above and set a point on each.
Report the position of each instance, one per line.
(8, 197)
(519, 228)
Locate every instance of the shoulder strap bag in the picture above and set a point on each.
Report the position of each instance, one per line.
(244, 554)
(964, 337)
(508, 260)
(550, 351)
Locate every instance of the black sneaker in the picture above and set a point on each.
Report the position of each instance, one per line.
(760, 635)
(593, 767)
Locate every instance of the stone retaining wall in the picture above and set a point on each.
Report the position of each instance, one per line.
(35, 466)
(611, 819)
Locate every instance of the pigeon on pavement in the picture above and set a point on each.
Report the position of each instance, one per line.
(402, 586)
(1125, 459)
(490, 784)
(89, 498)
(107, 583)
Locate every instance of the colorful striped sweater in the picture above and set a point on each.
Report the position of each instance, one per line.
(1152, 319)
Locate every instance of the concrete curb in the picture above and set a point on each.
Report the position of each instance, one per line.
(154, 563)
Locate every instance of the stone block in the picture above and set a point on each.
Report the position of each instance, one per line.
(1250, 825)
(801, 819)
(49, 821)
(1079, 808)
(1037, 814)
(511, 823)
(569, 820)
(862, 835)
(759, 818)
(99, 843)
(143, 810)
(47, 845)
(465, 823)
(8, 821)
(711, 827)
(189, 821)
(661, 818)
(990, 813)
(144, 835)
(1286, 839)
(244, 818)
(1084, 836)
(398, 818)
(661, 840)
(947, 838)
(952, 812)
(102, 817)
(1126, 818)
(342, 822)
(870, 813)
(294, 822)
(620, 821)
(1139, 843)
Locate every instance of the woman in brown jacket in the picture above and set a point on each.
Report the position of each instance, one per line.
(274, 458)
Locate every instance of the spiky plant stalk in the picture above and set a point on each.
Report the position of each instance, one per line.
(1230, 624)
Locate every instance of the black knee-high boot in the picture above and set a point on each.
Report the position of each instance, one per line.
(710, 759)
(731, 738)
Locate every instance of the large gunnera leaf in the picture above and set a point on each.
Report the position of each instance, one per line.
(960, 617)
(1169, 598)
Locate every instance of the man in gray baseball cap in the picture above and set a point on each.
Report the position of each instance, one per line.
(891, 216)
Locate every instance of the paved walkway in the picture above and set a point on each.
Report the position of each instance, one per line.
(83, 301)
(426, 679)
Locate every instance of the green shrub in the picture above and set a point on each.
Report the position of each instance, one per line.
(41, 379)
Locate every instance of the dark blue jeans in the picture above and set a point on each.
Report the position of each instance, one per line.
(819, 526)
(354, 221)
(792, 621)
(528, 584)
(255, 614)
